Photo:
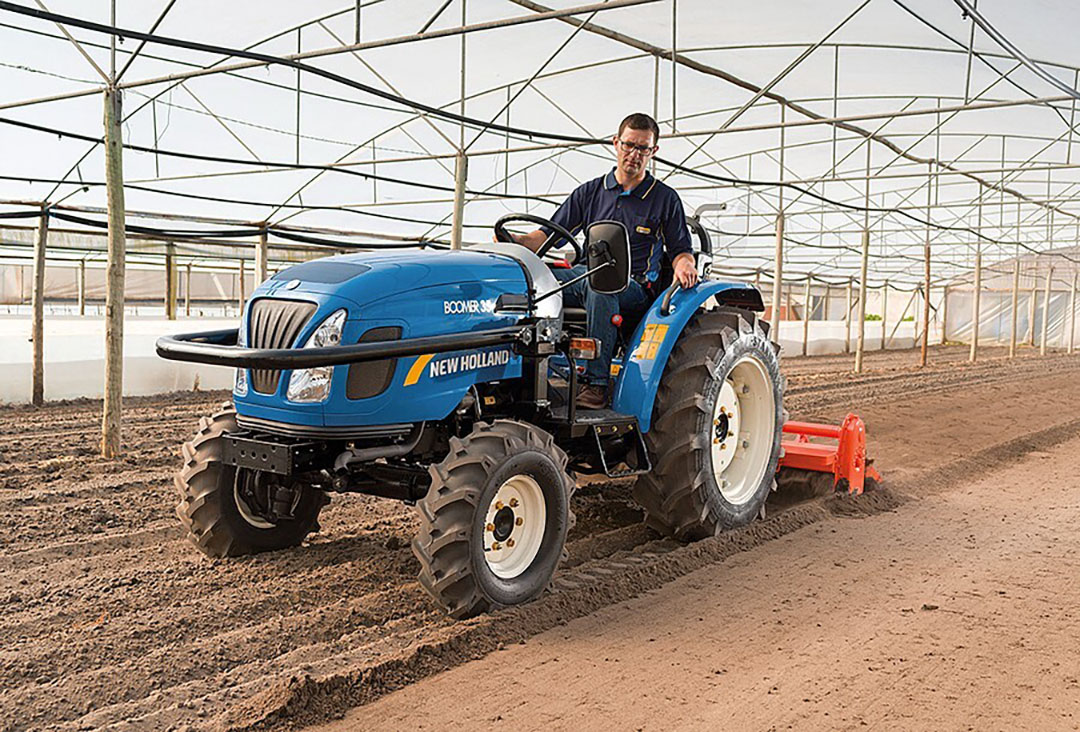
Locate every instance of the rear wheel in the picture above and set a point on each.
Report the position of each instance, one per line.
(229, 512)
(495, 519)
(716, 428)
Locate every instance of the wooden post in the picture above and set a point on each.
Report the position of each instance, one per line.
(826, 302)
(1046, 313)
(37, 298)
(1034, 303)
(973, 354)
(884, 311)
(461, 174)
(1072, 315)
(114, 288)
(944, 314)
(82, 287)
(261, 251)
(187, 290)
(926, 275)
(241, 295)
(1015, 305)
(925, 345)
(847, 319)
(861, 344)
(170, 281)
(778, 277)
(806, 319)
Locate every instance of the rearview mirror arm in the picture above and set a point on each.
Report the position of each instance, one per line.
(575, 280)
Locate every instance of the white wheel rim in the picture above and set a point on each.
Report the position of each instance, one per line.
(245, 511)
(744, 418)
(514, 526)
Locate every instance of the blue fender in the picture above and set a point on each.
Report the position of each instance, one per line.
(642, 369)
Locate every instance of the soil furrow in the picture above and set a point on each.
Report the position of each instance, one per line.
(107, 617)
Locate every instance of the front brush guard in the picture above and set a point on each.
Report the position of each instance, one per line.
(218, 348)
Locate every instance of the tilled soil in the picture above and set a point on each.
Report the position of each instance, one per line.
(110, 618)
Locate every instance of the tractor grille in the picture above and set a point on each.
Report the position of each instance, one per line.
(275, 324)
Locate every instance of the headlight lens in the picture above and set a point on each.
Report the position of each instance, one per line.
(313, 385)
(240, 387)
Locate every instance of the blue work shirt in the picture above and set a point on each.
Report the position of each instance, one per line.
(652, 212)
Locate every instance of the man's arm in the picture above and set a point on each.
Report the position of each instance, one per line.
(679, 248)
(569, 216)
(533, 240)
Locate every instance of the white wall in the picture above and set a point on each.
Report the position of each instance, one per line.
(75, 358)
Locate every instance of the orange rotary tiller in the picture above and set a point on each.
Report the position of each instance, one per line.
(846, 459)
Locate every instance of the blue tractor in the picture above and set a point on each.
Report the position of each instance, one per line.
(447, 380)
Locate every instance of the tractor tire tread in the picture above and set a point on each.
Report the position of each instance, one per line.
(673, 494)
(446, 512)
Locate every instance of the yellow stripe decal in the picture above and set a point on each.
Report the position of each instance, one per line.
(418, 368)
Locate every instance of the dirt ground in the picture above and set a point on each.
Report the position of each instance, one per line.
(108, 618)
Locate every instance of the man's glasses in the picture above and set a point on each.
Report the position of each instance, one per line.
(629, 147)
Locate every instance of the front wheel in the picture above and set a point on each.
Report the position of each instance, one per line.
(230, 512)
(494, 521)
(716, 428)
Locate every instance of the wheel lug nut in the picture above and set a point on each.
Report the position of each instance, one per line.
(730, 434)
(498, 505)
(519, 521)
(495, 546)
(723, 446)
(490, 527)
(509, 542)
(513, 503)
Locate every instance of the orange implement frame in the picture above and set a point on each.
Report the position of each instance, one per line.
(846, 460)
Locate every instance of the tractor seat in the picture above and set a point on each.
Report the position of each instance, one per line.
(574, 315)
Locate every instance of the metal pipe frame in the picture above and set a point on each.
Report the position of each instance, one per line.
(893, 182)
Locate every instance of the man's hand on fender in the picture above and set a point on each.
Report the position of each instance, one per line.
(685, 273)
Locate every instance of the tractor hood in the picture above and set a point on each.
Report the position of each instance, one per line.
(388, 296)
(365, 278)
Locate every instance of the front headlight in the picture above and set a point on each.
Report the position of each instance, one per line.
(313, 385)
(240, 387)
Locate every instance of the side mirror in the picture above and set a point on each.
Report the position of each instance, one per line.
(607, 249)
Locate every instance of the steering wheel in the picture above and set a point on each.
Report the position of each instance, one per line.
(557, 233)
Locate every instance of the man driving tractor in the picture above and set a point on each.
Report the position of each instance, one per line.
(656, 223)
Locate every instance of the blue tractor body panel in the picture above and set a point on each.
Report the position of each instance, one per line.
(433, 293)
(650, 347)
(423, 294)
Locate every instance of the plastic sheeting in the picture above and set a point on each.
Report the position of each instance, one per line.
(995, 317)
(62, 283)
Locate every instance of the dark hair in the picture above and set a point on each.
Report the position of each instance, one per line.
(640, 121)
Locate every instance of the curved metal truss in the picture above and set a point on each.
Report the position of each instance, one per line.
(881, 125)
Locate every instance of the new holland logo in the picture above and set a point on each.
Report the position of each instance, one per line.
(457, 363)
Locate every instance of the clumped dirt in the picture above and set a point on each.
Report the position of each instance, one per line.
(108, 618)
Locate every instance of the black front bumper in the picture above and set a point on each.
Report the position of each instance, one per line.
(218, 347)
